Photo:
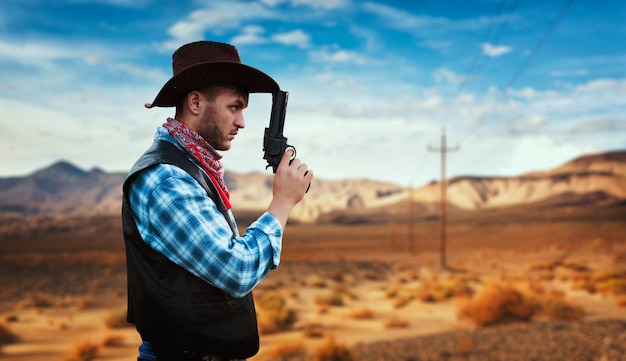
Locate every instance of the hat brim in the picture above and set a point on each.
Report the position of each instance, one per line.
(206, 74)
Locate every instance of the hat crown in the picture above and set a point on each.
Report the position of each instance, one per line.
(202, 52)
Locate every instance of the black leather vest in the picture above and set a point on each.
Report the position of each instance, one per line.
(174, 310)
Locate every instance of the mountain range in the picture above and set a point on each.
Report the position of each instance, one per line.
(63, 189)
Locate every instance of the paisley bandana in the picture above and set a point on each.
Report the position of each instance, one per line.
(203, 153)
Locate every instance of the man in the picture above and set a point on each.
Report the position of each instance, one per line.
(190, 273)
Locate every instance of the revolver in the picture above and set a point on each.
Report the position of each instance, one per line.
(274, 143)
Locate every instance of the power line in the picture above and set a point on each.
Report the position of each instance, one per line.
(525, 64)
(471, 74)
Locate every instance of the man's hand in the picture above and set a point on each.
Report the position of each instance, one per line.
(291, 182)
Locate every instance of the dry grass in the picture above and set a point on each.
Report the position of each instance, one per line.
(606, 283)
(6, 336)
(285, 350)
(313, 331)
(502, 302)
(331, 299)
(497, 303)
(330, 350)
(117, 319)
(361, 313)
(273, 314)
(437, 291)
(395, 322)
(112, 340)
(83, 351)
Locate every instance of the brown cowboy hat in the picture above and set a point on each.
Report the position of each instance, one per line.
(203, 63)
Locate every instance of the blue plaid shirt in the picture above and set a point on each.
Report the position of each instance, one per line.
(175, 217)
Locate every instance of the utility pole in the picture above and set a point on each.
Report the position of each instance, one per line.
(442, 198)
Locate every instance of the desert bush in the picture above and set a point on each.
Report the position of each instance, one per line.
(498, 303)
(330, 299)
(437, 291)
(361, 313)
(313, 331)
(395, 322)
(83, 351)
(330, 350)
(6, 336)
(621, 302)
(39, 301)
(117, 319)
(402, 300)
(555, 308)
(286, 350)
(604, 282)
(317, 282)
(112, 340)
(273, 313)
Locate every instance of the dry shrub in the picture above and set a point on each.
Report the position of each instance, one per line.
(6, 336)
(600, 244)
(607, 283)
(40, 301)
(112, 340)
(392, 291)
(117, 319)
(361, 313)
(555, 308)
(331, 299)
(10, 317)
(621, 302)
(273, 313)
(83, 304)
(313, 331)
(433, 291)
(330, 350)
(286, 350)
(395, 322)
(83, 351)
(498, 303)
(317, 282)
(402, 300)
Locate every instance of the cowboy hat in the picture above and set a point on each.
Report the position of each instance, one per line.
(200, 64)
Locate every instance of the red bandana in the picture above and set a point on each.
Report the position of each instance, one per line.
(203, 153)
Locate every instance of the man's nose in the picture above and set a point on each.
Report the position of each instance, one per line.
(239, 121)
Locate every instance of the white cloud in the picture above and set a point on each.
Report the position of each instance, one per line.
(322, 4)
(495, 50)
(37, 54)
(217, 15)
(443, 74)
(250, 35)
(297, 38)
(338, 56)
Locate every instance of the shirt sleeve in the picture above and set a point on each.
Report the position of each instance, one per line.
(175, 217)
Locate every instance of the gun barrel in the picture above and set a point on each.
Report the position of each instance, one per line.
(279, 109)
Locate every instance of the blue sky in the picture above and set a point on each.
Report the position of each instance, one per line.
(517, 85)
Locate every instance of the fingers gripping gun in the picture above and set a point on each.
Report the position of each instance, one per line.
(274, 143)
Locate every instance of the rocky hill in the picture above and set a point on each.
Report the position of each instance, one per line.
(63, 189)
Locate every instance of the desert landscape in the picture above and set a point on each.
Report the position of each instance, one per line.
(362, 279)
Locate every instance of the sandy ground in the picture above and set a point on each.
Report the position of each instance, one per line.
(52, 332)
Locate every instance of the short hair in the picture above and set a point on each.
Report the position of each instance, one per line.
(211, 92)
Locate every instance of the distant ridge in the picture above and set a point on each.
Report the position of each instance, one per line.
(62, 189)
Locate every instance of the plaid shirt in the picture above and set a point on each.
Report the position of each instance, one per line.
(175, 217)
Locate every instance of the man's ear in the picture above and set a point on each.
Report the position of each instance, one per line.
(194, 102)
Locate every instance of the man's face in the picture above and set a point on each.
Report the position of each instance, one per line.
(222, 119)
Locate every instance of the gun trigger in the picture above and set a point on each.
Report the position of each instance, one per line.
(293, 155)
